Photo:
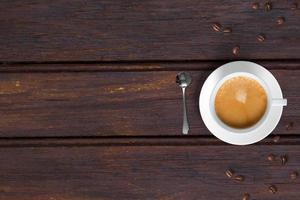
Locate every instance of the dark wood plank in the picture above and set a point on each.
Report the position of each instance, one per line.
(65, 30)
(61, 104)
(143, 172)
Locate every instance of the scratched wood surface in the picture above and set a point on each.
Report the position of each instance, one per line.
(60, 104)
(67, 30)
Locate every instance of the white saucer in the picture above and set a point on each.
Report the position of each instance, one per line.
(240, 136)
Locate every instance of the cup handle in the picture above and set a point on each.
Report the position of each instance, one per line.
(279, 102)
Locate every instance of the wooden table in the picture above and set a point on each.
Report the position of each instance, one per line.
(90, 109)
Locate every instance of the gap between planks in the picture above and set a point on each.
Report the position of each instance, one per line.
(120, 66)
(133, 141)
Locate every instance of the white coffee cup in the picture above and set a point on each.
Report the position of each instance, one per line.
(264, 126)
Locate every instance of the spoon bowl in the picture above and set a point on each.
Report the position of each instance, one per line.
(183, 79)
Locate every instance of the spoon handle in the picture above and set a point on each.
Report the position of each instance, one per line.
(185, 126)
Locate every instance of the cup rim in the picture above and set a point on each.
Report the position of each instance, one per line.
(256, 133)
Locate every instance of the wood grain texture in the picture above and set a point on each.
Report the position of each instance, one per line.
(89, 108)
(91, 30)
(139, 172)
(65, 104)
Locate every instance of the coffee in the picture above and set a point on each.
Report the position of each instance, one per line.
(240, 102)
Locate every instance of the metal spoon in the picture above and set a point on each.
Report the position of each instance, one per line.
(183, 80)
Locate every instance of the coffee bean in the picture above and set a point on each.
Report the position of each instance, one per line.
(272, 189)
(289, 126)
(246, 196)
(271, 157)
(239, 178)
(227, 30)
(216, 27)
(294, 6)
(236, 50)
(276, 138)
(294, 175)
(268, 6)
(261, 37)
(283, 159)
(229, 173)
(280, 20)
(255, 6)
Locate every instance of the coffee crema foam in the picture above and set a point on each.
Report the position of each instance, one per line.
(240, 102)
